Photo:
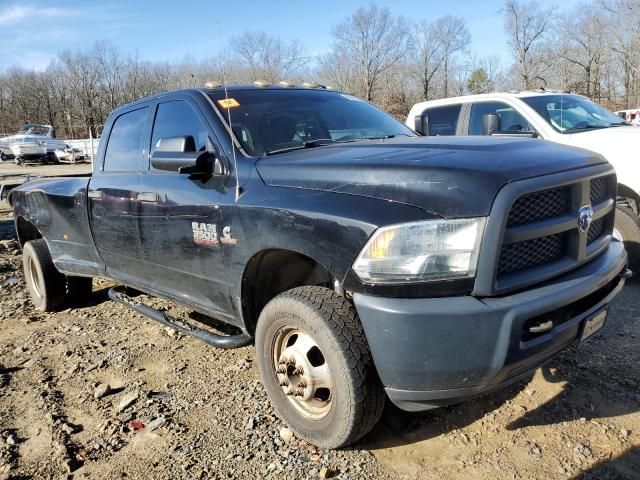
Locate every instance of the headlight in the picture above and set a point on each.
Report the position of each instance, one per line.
(421, 251)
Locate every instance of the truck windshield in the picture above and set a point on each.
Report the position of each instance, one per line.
(572, 113)
(272, 121)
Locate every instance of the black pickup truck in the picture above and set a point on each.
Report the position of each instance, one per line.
(363, 260)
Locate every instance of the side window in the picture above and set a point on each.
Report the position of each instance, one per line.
(125, 149)
(178, 119)
(443, 120)
(510, 119)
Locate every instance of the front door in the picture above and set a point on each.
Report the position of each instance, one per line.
(511, 121)
(180, 224)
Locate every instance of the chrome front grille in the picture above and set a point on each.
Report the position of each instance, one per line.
(542, 233)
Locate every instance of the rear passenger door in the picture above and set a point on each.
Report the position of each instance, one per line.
(114, 205)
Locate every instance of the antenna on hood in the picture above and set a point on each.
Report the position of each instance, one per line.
(228, 108)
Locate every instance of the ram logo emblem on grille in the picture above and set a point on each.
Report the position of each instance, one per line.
(585, 217)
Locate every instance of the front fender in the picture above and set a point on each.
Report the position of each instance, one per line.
(330, 228)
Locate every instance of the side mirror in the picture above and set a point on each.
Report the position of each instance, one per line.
(490, 123)
(176, 144)
(422, 124)
(178, 154)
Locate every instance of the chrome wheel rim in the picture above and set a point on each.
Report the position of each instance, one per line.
(302, 372)
(34, 278)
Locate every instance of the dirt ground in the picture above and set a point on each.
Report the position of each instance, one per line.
(177, 408)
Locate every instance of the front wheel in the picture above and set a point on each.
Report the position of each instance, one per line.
(316, 366)
(627, 230)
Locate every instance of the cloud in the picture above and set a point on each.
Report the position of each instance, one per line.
(16, 13)
(33, 33)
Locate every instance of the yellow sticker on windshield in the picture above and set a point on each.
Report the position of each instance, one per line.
(228, 103)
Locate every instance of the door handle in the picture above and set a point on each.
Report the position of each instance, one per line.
(148, 197)
(96, 194)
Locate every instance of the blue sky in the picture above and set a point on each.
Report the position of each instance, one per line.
(33, 32)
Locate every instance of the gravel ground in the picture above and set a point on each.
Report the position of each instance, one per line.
(101, 392)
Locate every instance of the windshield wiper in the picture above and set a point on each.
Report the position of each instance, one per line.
(316, 142)
(585, 127)
(319, 142)
(384, 137)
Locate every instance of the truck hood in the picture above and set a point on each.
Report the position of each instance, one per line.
(607, 140)
(619, 145)
(448, 176)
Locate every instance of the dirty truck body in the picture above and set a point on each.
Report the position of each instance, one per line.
(362, 259)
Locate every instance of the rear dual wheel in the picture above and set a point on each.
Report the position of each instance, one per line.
(316, 366)
(48, 288)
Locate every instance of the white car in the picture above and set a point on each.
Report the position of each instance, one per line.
(561, 117)
(631, 116)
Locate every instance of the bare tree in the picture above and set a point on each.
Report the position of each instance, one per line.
(111, 66)
(82, 77)
(624, 20)
(585, 46)
(397, 92)
(527, 26)
(268, 57)
(453, 35)
(428, 56)
(337, 70)
(375, 40)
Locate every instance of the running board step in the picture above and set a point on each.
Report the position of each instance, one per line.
(219, 341)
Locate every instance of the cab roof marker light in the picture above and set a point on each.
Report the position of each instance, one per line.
(287, 84)
(261, 83)
(212, 84)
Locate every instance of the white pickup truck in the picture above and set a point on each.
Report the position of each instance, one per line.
(561, 117)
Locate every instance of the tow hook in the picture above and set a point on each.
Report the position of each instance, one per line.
(625, 273)
(542, 327)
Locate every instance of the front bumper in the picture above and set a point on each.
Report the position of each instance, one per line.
(437, 351)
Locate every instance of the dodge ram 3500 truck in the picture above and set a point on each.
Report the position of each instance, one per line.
(363, 261)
